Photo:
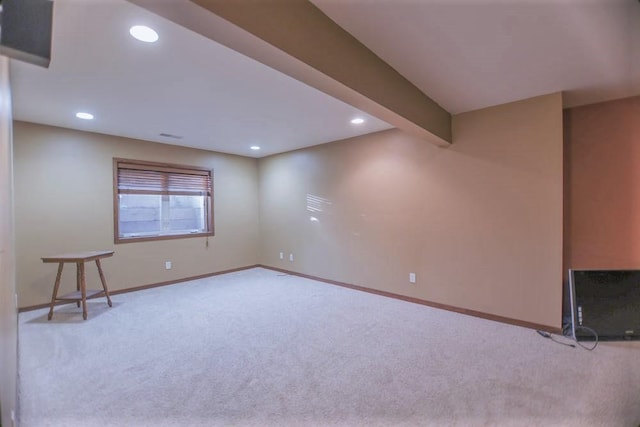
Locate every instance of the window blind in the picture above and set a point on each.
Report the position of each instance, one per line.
(147, 179)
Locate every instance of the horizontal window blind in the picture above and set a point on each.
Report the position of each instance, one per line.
(147, 179)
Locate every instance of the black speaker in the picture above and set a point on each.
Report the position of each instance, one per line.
(605, 304)
(25, 30)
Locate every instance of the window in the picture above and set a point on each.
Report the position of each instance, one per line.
(161, 201)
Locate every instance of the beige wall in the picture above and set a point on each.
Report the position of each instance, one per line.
(64, 203)
(480, 223)
(8, 309)
(603, 151)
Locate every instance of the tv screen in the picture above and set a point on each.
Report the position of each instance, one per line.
(607, 302)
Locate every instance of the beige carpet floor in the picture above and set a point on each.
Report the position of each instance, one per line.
(257, 348)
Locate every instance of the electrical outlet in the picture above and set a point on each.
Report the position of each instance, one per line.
(281, 255)
(291, 257)
(412, 277)
(167, 265)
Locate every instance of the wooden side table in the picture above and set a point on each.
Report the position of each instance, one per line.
(81, 295)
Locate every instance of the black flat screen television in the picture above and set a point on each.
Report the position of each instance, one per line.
(607, 302)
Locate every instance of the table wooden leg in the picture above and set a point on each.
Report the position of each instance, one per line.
(83, 288)
(55, 290)
(104, 283)
(78, 286)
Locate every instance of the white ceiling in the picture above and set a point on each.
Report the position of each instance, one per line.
(183, 85)
(470, 54)
(464, 54)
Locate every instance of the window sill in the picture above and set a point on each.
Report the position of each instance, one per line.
(119, 240)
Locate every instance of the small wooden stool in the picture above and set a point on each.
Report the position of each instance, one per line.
(81, 295)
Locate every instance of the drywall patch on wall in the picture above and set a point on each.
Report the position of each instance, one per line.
(480, 223)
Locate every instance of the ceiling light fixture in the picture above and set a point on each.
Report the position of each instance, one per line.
(143, 33)
(357, 121)
(255, 147)
(84, 116)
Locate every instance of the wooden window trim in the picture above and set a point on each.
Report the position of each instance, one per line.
(161, 167)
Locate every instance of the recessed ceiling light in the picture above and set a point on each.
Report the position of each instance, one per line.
(84, 116)
(143, 33)
(255, 147)
(357, 121)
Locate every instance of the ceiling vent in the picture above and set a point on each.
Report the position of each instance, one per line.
(168, 135)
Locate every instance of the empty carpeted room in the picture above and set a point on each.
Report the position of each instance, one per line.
(317, 212)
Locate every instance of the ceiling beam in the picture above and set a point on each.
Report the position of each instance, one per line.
(296, 38)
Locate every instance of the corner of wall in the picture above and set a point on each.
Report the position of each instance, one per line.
(466, 219)
(8, 300)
